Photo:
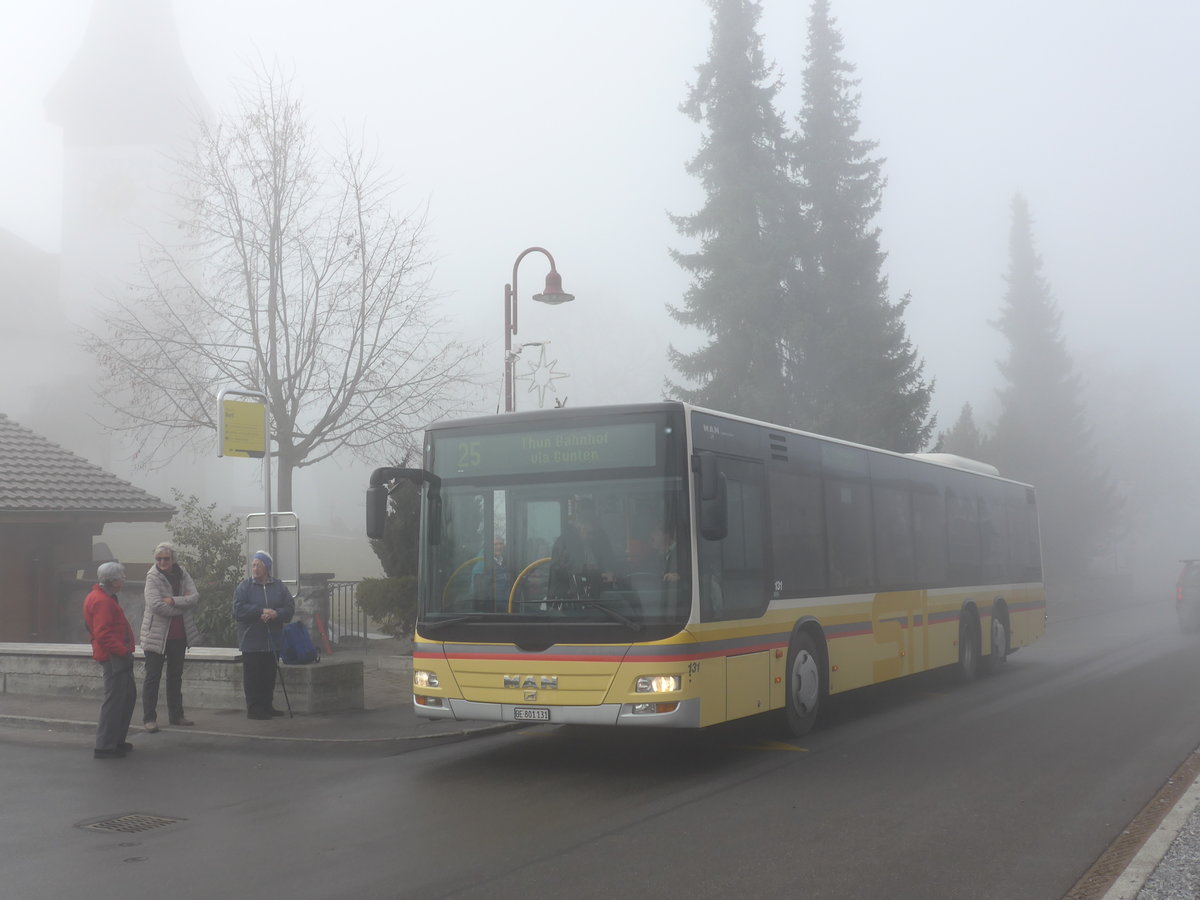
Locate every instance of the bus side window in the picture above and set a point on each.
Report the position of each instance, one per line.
(1025, 560)
(929, 531)
(798, 531)
(733, 570)
(962, 523)
(851, 554)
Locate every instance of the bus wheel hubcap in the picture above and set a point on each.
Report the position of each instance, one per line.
(805, 683)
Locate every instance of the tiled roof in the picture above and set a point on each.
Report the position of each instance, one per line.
(39, 476)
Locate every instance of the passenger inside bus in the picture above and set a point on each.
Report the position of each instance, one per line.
(491, 578)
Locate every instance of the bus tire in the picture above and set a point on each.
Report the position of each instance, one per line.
(1000, 640)
(807, 684)
(968, 646)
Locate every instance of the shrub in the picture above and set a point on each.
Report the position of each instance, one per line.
(389, 602)
(210, 548)
(214, 615)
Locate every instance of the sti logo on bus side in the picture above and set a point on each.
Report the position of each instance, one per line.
(545, 682)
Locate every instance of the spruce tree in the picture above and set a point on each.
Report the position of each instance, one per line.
(964, 438)
(1042, 436)
(852, 370)
(742, 266)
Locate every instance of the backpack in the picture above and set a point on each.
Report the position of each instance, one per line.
(298, 648)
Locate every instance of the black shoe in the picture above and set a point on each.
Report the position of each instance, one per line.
(116, 753)
(124, 746)
(277, 712)
(258, 715)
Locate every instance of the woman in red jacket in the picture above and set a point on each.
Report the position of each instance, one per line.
(112, 647)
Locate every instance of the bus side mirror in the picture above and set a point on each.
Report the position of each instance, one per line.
(377, 500)
(376, 511)
(713, 518)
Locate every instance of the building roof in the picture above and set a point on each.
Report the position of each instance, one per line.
(41, 481)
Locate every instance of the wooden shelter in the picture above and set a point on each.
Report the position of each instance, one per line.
(52, 504)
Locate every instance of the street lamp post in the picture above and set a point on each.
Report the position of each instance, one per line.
(552, 295)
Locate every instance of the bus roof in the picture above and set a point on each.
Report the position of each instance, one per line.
(949, 460)
(958, 462)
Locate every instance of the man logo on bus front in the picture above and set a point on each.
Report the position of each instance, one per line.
(545, 682)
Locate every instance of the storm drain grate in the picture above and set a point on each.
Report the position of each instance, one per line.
(132, 823)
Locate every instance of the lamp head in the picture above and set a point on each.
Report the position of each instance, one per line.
(553, 294)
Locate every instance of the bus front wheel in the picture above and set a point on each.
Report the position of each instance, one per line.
(806, 686)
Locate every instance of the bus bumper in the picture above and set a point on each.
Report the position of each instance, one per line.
(685, 715)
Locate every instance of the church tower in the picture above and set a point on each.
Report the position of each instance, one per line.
(129, 108)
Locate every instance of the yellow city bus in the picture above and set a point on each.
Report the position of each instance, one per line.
(666, 565)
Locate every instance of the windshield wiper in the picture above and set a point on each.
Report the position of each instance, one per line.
(614, 615)
(430, 627)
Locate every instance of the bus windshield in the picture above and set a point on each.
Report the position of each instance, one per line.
(517, 541)
(605, 550)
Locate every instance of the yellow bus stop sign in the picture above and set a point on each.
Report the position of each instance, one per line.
(243, 428)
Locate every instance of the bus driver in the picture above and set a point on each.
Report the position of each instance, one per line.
(581, 561)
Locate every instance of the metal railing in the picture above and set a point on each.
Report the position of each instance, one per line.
(347, 622)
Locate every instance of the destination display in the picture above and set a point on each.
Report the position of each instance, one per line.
(615, 446)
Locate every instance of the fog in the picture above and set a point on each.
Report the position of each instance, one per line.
(553, 123)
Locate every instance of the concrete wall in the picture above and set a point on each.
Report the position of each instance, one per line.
(212, 678)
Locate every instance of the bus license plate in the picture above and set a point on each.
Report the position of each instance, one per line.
(531, 714)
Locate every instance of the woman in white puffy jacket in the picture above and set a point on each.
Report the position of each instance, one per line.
(168, 629)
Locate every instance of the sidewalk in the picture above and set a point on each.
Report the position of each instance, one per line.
(388, 715)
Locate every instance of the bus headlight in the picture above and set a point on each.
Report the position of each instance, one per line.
(658, 684)
(422, 678)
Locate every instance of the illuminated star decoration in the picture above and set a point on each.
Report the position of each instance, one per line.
(542, 376)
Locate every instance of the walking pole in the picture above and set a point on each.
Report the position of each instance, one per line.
(279, 671)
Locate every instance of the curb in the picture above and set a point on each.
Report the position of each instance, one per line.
(74, 725)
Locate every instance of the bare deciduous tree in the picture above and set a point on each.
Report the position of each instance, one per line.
(296, 279)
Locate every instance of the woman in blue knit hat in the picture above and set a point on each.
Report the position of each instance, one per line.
(261, 606)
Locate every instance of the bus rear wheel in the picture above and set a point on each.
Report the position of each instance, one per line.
(968, 646)
(999, 635)
(806, 686)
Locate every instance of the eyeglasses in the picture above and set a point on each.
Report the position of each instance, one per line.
(162, 559)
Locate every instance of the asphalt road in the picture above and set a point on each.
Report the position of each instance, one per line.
(1007, 788)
